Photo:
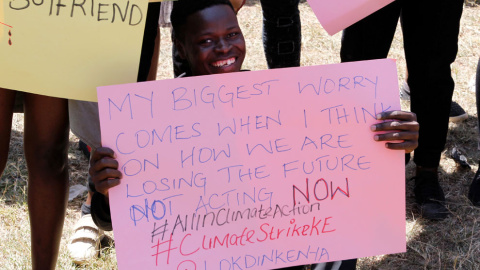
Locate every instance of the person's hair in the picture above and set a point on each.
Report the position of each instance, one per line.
(184, 8)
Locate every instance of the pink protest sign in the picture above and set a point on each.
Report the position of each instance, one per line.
(255, 170)
(336, 15)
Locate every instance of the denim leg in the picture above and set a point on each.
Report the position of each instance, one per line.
(281, 33)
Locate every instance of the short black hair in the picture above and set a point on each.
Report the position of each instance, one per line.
(184, 8)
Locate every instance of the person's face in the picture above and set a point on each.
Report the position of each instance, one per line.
(212, 41)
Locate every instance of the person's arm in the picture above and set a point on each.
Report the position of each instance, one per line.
(100, 211)
(105, 175)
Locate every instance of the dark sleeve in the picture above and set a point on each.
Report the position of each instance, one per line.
(148, 44)
(101, 212)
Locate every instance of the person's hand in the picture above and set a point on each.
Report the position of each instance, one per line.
(104, 170)
(401, 130)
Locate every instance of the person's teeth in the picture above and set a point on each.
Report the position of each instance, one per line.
(224, 62)
(219, 63)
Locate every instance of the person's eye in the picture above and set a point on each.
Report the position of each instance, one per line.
(233, 35)
(206, 42)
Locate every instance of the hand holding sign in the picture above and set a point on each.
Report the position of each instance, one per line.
(263, 169)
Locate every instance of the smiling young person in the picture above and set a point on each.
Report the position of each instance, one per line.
(209, 38)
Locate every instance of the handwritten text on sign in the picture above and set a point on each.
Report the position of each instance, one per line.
(68, 48)
(254, 170)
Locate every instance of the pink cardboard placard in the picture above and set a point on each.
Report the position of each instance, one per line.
(255, 170)
(336, 15)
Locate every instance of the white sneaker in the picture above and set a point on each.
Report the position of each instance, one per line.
(85, 241)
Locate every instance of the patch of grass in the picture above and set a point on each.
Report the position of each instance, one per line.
(472, 3)
(453, 243)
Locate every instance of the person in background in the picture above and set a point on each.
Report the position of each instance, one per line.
(46, 145)
(457, 113)
(282, 33)
(474, 191)
(430, 33)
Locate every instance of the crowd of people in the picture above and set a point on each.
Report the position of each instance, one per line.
(430, 33)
